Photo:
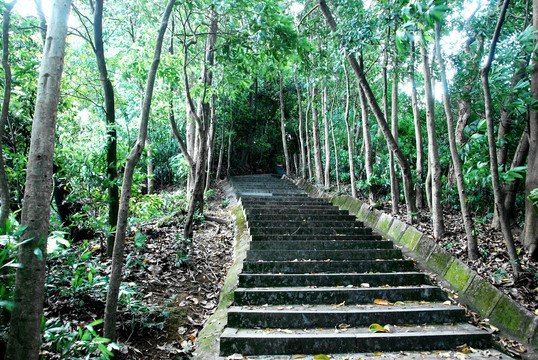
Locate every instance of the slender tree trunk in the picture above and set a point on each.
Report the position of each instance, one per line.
(394, 184)
(229, 157)
(484, 75)
(25, 329)
(4, 186)
(149, 167)
(111, 134)
(211, 143)
(433, 151)
(283, 127)
(472, 245)
(42, 20)
(337, 163)
(531, 182)
(315, 136)
(419, 184)
(308, 147)
(132, 160)
(221, 152)
(326, 141)
(301, 136)
(349, 137)
(368, 147)
(509, 190)
(393, 146)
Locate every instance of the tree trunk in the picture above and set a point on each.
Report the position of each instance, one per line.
(433, 151)
(393, 146)
(308, 147)
(211, 143)
(4, 186)
(132, 160)
(25, 329)
(42, 20)
(149, 167)
(111, 134)
(283, 126)
(509, 190)
(531, 182)
(349, 137)
(394, 184)
(326, 140)
(419, 184)
(484, 75)
(301, 136)
(336, 164)
(221, 152)
(368, 148)
(229, 157)
(472, 245)
(315, 136)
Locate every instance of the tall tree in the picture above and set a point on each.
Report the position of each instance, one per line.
(301, 135)
(381, 120)
(25, 327)
(111, 134)
(315, 137)
(394, 184)
(433, 151)
(4, 187)
(531, 182)
(349, 137)
(283, 125)
(472, 245)
(493, 165)
(132, 160)
(326, 140)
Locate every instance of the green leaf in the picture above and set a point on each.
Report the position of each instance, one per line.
(38, 253)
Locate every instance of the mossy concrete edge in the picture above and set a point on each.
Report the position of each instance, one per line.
(474, 291)
(207, 344)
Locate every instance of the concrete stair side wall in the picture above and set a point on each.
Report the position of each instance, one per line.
(473, 290)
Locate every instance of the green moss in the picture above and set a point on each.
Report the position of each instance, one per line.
(363, 212)
(354, 206)
(508, 316)
(372, 217)
(410, 238)
(424, 247)
(459, 275)
(482, 295)
(339, 201)
(439, 260)
(384, 223)
(208, 340)
(396, 230)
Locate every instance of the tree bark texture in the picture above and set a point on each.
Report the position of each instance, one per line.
(283, 126)
(25, 330)
(307, 138)
(419, 184)
(368, 147)
(301, 135)
(132, 160)
(472, 245)
(221, 152)
(433, 150)
(4, 186)
(326, 139)
(315, 138)
(393, 146)
(394, 183)
(531, 182)
(499, 204)
(349, 137)
(110, 118)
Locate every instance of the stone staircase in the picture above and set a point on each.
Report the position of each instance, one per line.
(315, 281)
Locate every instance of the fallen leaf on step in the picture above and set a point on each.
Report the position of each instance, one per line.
(399, 303)
(341, 304)
(377, 353)
(375, 328)
(298, 357)
(447, 302)
(366, 285)
(321, 357)
(287, 331)
(381, 302)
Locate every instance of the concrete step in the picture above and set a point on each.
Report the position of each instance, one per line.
(321, 245)
(310, 210)
(296, 200)
(283, 255)
(314, 237)
(342, 223)
(332, 295)
(330, 316)
(316, 266)
(339, 279)
(301, 217)
(326, 341)
(310, 230)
